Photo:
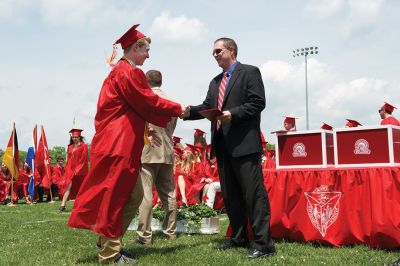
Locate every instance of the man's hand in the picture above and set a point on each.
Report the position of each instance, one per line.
(185, 111)
(154, 138)
(226, 117)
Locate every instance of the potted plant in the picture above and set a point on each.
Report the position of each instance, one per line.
(198, 218)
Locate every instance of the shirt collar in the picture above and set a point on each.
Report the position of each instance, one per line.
(231, 68)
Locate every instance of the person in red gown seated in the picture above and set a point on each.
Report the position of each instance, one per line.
(386, 115)
(201, 175)
(112, 192)
(58, 176)
(22, 184)
(77, 164)
(289, 123)
(183, 173)
(6, 184)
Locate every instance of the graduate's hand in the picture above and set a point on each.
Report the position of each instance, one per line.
(226, 117)
(154, 138)
(185, 111)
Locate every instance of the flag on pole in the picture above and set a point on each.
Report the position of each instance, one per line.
(43, 161)
(30, 160)
(35, 137)
(11, 155)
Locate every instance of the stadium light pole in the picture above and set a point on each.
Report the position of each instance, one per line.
(305, 52)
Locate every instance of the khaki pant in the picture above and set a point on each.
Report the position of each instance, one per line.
(162, 176)
(110, 247)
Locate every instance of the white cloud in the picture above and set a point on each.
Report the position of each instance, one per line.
(324, 8)
(332, 97)
(354, 15)
(11, 10)
(293, 75)
(178, 29)
(362, 15)
(73, 13)
(347, 95)
(80, 13)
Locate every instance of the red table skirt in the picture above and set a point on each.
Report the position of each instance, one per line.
(336, 206)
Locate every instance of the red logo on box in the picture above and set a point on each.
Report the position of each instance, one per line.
(361, 147)
(299, 150)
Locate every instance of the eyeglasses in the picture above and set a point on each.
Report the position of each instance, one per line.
(217, 52)
(75, 137)
(380, 110)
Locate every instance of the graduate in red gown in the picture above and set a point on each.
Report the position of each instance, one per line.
(77, 166)
(22, 183)
(109, 197)
(58, 176)
(386, 115)
(6, 183)
(202, 176)
(183, 180)
(289, 123)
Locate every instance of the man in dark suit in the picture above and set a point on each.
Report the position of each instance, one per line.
(236, 141)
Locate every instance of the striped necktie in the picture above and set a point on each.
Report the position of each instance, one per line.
(221, 94)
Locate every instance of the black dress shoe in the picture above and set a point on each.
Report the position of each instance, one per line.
(255, 253)
(61, 209)
(231, 244)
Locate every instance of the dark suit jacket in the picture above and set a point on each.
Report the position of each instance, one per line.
(245, 99)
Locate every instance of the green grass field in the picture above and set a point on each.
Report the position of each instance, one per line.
(37, 235)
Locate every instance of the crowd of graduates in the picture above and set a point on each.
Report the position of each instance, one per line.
(36, 179)
(195, 175)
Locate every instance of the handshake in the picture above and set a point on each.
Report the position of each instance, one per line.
(185, 111)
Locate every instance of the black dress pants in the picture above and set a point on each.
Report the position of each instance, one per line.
(245, 196)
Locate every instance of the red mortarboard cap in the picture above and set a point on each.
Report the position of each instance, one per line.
(199, 132)
(352, 123)
(388, 107)
(130, 37)
(178, 151)
(191, 148)
(326, 126)
(75, 132)
(290, 120)
(194, 148)
(176, 139)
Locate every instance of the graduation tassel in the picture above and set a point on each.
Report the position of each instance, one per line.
(147, 140)
(110, 59)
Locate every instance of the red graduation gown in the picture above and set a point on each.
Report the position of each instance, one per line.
(77, 167)
(125, 103)
(391, 120)
(58, 178)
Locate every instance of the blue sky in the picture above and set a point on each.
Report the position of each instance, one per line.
(53, 58)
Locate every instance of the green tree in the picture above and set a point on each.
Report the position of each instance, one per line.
(56, 152)
(22, 157)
